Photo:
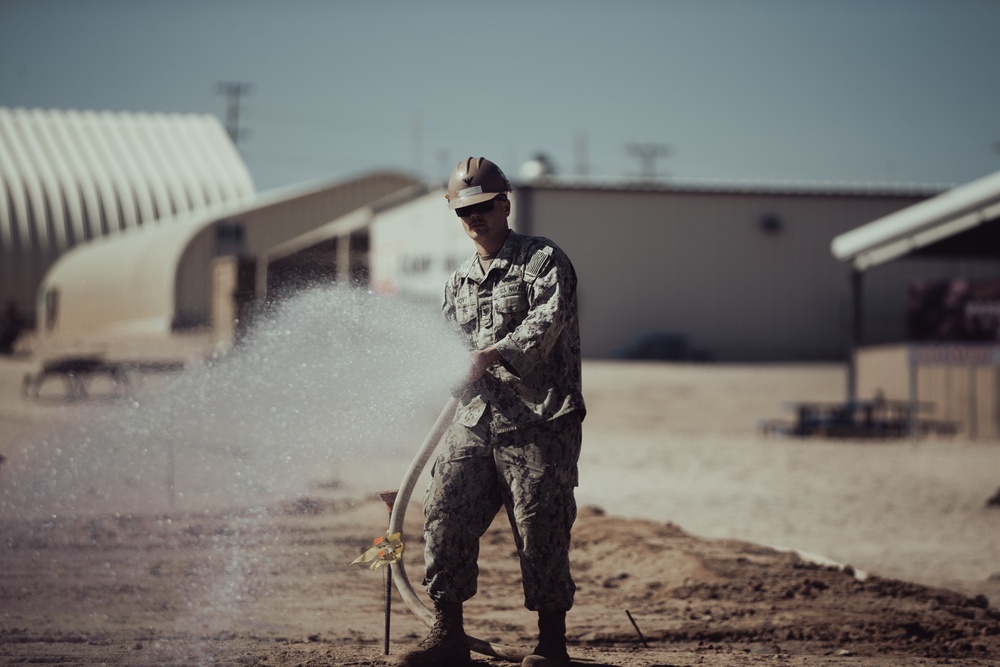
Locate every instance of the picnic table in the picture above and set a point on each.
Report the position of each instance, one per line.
(78, 374)
(875, 418)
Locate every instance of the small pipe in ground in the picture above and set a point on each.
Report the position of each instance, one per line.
(636, 626)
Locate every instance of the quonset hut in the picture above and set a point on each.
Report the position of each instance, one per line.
(72, 177)
(118, 226)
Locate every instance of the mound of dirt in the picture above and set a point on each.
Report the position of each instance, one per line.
(683, 588)
(272, 586)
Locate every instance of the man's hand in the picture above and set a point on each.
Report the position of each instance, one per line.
(481, 360)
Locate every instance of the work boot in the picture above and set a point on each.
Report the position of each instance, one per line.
(446, 645)
(551, 649)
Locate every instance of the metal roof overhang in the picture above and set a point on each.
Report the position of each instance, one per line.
(128, 282)
(344, 225)
(914, 228)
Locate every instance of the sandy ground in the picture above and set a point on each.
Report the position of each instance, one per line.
(689, 523)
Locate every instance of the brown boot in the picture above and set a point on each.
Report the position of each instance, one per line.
(446, 645)
(551, 649)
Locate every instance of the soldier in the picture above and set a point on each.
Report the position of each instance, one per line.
(515, 440)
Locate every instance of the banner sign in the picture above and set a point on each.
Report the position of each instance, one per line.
(953, 310)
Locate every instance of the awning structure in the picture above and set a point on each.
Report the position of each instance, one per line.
(155, 279)
(352, 222)
(912, 229)
(953, 223)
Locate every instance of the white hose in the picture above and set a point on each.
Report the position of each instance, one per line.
(511, 653)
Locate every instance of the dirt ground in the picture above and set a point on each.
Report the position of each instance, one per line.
(666, 578)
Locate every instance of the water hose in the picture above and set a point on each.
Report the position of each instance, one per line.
(511, 653)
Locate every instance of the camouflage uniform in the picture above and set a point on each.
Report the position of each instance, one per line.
(516, 437)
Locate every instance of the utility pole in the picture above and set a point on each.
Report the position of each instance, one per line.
(233, 90)
(580, 146)
(648, 154)
(444, 165)
(417, 143)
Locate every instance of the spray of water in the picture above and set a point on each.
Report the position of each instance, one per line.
(332, 378)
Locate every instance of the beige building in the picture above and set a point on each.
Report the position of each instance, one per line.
(118, 225)
(731, 273)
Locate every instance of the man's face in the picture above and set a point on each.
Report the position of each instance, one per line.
(489, 225)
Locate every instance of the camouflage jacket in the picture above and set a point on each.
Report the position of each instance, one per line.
(525, 307)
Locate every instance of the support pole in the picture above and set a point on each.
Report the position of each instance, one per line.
(388, 607)
(996, 400)
(389, 498)
(854, 329)
(973, 402)
(344, 259)
(913, 386)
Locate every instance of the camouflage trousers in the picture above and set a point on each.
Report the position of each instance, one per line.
(532, 472)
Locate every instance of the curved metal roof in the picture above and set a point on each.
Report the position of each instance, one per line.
(72, 176)
(67, 177)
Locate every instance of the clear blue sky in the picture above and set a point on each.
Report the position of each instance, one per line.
(888, 91)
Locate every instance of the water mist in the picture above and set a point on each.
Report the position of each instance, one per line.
(331, 378)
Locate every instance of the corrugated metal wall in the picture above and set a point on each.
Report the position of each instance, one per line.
(961, 381)
(67, 177)
(740, 276)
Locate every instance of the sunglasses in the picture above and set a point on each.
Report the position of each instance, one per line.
(481, 207)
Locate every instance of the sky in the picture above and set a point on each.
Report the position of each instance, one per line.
(854, 91)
